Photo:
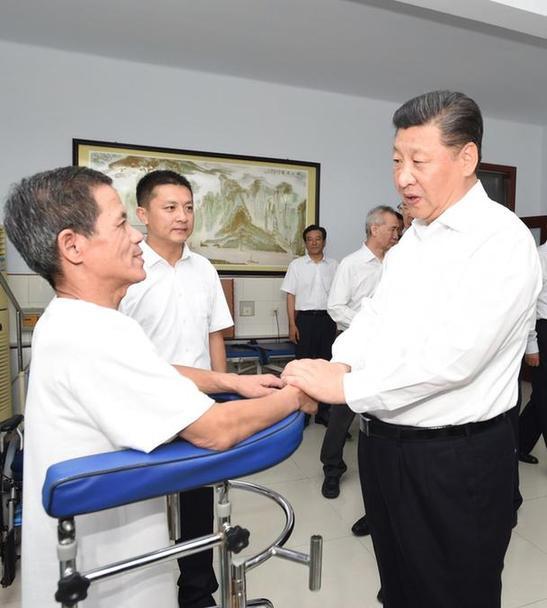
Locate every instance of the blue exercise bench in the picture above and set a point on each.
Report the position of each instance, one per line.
(259, 356)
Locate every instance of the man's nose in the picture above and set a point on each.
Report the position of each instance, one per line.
(403, 176)
(136, 235)
(182, 214)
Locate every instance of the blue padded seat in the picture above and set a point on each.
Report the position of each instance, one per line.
(102, 481)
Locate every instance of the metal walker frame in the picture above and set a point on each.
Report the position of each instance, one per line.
(230, 540)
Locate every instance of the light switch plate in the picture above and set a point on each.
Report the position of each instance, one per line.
(246, 308)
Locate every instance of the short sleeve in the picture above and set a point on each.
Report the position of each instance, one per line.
(137, 399)
(290, 280)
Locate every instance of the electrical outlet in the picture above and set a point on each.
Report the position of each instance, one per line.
(246, 308)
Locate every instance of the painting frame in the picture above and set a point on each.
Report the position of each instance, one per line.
(250, 210)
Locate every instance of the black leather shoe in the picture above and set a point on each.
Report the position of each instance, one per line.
(331, 487)
(361, 527)
(380, 596)
(528, 458)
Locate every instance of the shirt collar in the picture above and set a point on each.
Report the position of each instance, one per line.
(308, 260)
(367, 253)
(152, 257)
(461, 216)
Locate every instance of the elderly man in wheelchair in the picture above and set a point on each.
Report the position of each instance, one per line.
(97, 386)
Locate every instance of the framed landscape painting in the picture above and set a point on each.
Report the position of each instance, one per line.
(249, 211)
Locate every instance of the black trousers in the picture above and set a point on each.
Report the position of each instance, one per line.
(440, 513)
(317, 333)
(533, 420)
(332, 450)
(197, 581)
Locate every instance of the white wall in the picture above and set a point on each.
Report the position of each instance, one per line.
(49, 97)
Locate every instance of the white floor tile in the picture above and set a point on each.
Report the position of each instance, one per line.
(525, 573)
(533, 522)
(350, 579)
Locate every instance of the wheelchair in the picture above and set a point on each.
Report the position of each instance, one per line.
(11, 490)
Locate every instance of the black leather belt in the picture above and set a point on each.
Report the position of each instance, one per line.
(312, 312)
(372, 427)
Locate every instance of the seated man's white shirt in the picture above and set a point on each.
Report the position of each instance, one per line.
(179, 306)
(309, 282)
(441, 340)
(97, 384)
(357, 277)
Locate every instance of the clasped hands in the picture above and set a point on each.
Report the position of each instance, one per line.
(315, 379)
(320, 379)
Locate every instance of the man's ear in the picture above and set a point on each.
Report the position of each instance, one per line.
(470, 158)
(70, 246)
(142, 214)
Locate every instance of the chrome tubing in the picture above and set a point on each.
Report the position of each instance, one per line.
(287, 509)
(155, 557)
(313, 560)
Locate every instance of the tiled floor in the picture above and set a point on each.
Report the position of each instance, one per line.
(350, 579)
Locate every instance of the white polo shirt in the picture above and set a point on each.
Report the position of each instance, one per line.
(309, 282)
(96, 385)
(441, 340)
(357, 277)
(179, 306)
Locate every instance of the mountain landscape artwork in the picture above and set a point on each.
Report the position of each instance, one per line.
(250, 212)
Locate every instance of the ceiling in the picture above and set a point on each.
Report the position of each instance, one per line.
(383, 49)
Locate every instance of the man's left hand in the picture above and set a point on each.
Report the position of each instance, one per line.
(318, 378)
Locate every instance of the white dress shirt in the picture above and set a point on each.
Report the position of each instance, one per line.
(541, 307)
(441, 340)
(357, 277)
(96, 385)
(309, 282)
(179, 306)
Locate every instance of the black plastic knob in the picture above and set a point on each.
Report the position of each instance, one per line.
(237, 538)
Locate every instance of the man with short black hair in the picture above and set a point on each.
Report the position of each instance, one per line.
(182, 308)
(307, 284)
(434, 385)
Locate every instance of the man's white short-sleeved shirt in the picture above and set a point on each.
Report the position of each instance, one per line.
(97, 384)
(357, 277)
(179, 306)
(309, 282)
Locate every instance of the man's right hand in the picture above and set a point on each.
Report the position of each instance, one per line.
(294, 335)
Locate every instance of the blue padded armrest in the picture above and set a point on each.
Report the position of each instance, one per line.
(102, 481)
